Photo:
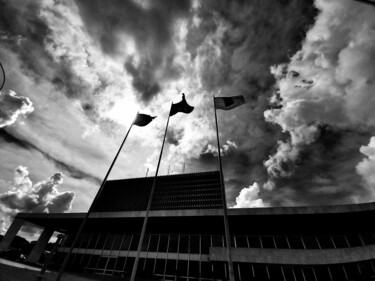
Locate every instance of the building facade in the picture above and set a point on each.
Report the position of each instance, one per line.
(185, 235)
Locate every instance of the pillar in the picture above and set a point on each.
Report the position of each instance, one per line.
(11, 233)
(39, 246)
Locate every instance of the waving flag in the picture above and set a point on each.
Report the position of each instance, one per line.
(227, 103)
(182, 106)
(143, 119)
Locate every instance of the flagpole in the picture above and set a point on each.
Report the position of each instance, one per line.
(62, 268)
(135, 266)
(226, 223)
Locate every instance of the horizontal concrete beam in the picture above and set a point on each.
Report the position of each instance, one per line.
(289, 256)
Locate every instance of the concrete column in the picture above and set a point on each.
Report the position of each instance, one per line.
(11, 233)
(38, 249)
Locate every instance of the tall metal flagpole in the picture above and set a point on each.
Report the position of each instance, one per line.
(62, 268)
(135, 266)
(226, 224)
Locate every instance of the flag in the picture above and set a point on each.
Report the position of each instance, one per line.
(227, 103)
(182, 106)
(143, 119)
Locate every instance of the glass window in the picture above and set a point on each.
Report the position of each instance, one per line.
(288, 273)
(140, 266)
(337, 272)
(120, 263)
(353, 240)
(298, 273)
(129, 265)
(85, 241)
(206, 270)
(368, 238)
(281, 242)
(101, 241)
(146, 239)
(102, 262)
(111, 263)
(163, 243)
(149, 266)
(219, 270)
(194, 269)
(325, 242)
(184, 244)
(153, 246)
(217, 241)
(93, 240)
(126, 242)
(275, 272)
(93, 261)
(308, 272)
(260, 272)
(171, 267)
(159, 266)
(295, 242)
(205, 244)
(351, 270)
(366, 268)
(267, 242)
(310, 242)
(321, 273)
(182, 268)
(340, 241)
(117, 243)
(85, 261)
(241, 241)
(109, 241)
(173, 244)
(135, 241)
(194, 244)
(254, 242)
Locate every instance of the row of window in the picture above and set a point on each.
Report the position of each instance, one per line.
(183, 243)
(195, 270)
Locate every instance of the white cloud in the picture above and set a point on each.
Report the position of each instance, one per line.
(249, 198)
(12, 106)
(225, 149)
(366, 168)
(331, 80)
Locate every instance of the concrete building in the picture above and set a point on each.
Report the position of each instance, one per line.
(185, 235)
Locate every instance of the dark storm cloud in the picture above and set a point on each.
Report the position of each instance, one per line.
(150, 27)
(73, 171)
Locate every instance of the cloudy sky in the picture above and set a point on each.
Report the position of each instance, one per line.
(78, 71)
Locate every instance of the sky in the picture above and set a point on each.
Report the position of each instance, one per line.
(77, 72)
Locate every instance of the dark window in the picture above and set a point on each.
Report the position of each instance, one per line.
(298, 273)
(126, 242)
(353, 240)
(281, 242)
(217, 241)
(85, 241)
(101, 241)
(93, 240)
(146, 239)
(171, 267)
(254, 242)
(219, 270)
(85, 261)
(267, 242)
(182, 268)
(308, 272)
(129, 265)
(93, 261)
(206, 270)
(194, 269)
(140, 266)
(102, 262)
(351, 270)
(321, 273)
(163, 243)
(159, 267)
(275, 272)
(310, 242)
(149, 266)
(120, 263)
(205, 244)
(184, 244)
(368, 238)
(260, 272)
(246, 271)
(241, 241)
(366, 268)
(173, 244)
(194, 244)
(288, 273)
(325, 242)
(111, 263)
(153, 246)
(135, 241)
(295, 242)
(340, 241)
(117, 243)
(109, 241)
(337, 272)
